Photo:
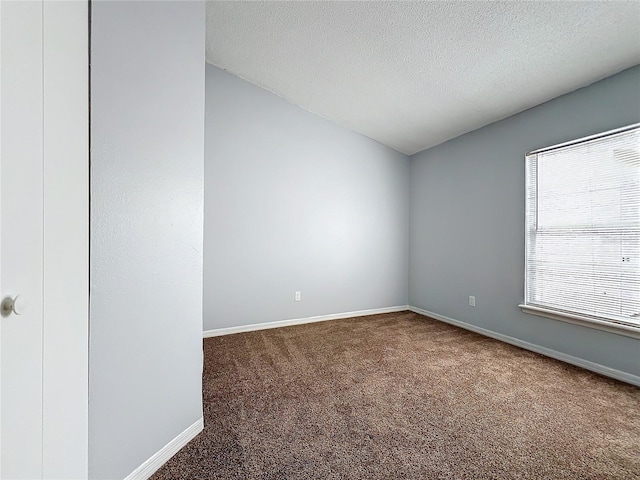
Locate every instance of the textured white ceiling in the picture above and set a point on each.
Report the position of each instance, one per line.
(415, 74)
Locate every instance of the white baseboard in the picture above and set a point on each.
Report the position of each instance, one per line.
(299, 321)
(563, 357)
(153, 464)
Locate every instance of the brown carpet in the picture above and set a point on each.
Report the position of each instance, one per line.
(401, 396)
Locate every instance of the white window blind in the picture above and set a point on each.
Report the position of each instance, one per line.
(583, 228)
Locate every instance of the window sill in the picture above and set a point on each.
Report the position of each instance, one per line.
(619, 329)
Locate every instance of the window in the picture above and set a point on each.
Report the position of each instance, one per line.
(583, 231)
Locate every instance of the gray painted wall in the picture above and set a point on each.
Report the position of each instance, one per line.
(147, 135)
(467, 220)
(294, 202)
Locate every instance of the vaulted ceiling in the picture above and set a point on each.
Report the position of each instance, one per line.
(412, 75)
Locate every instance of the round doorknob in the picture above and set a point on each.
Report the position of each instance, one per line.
(15, 305)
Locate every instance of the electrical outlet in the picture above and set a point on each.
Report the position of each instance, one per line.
(472, 301)
(297, 296)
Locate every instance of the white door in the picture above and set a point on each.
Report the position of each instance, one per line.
(21, 238)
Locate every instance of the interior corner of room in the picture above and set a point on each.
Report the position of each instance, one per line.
(357, 226)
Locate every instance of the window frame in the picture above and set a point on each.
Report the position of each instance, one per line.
(565, 315)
